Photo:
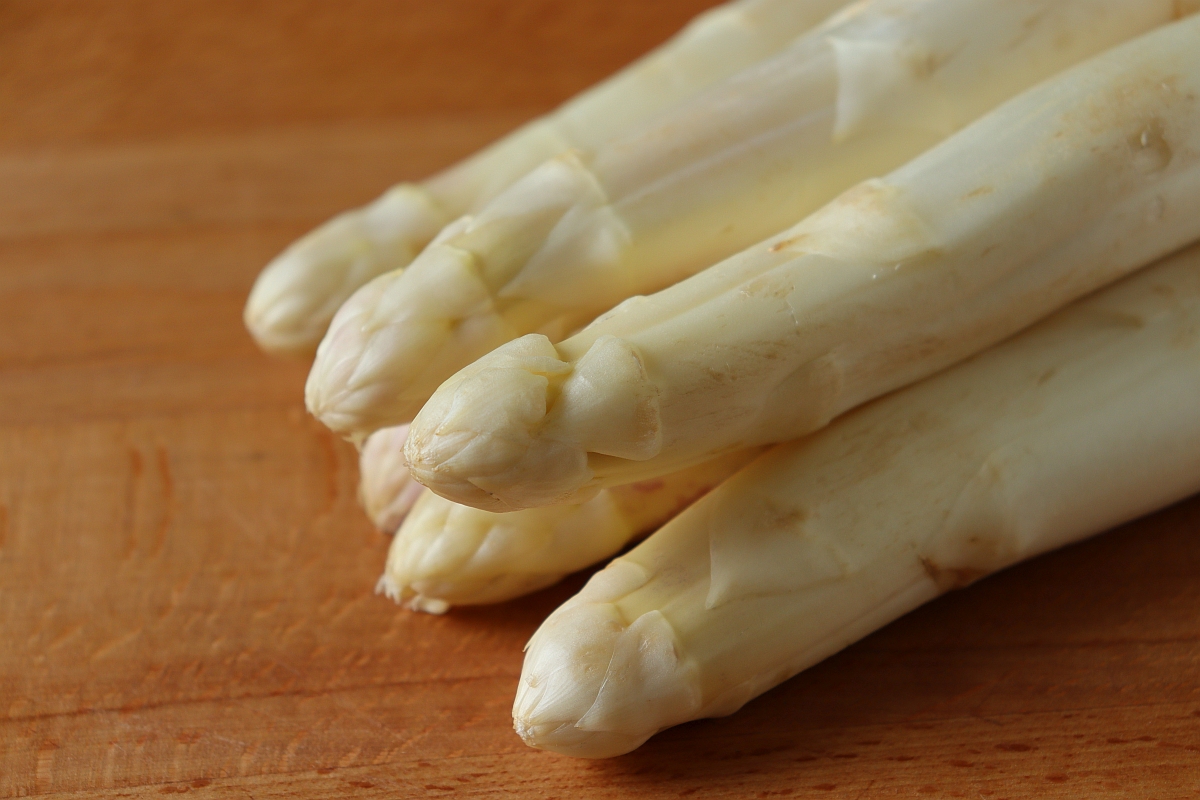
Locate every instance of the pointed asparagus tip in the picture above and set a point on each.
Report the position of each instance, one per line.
(595, 686)
(398, 337)
(298, 293)
(476, 441)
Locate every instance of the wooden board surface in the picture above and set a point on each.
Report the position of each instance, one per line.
(186, 598)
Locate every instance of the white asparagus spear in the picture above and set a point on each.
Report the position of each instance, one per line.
(297, 294)
(445, 554)
(386, 489)
(1079, 424)
(858, 96)
(1064, 189)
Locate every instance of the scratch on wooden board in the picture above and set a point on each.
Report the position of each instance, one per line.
(866, 789)
(290, 629)
(290, 752)
(153, 674)
(266, 611)
(348, 607)
(227, 740)
(410, 741)
(64, 637)
(265, 670)
(236, 517)
(174, 597)
(247, 759)
(325, 609)
(349, 759)
(113, 644)
(45, 765)
(110, 762)
(985, 690)
(131, 489)
(168, 496)
(351, 708)
(3, 525)
(385, 755)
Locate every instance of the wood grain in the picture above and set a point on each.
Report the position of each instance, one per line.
(186, 583)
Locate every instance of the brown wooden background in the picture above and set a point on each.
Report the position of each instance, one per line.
(185, 581)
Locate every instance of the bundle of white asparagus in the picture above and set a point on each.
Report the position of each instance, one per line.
(1055, 149)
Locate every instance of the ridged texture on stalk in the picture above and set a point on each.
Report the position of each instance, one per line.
(1064, 189)
(297, 294)
(858, 96)
(1079, 424)
(446, 554)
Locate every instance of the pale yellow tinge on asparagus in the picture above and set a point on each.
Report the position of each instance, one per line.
(1067, 187)
(1081, 423)
(297, 294)
(445, 554)
(858, 96)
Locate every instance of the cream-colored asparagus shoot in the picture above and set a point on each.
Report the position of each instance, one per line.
(297, 294)
(1060, 191)
(386, 489)
(445, 554)
(1081, 423)
(855, 98)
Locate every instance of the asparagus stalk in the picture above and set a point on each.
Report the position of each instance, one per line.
(856, 97)
(386, 490)
(1079, 424)
(445, 554)
(297, 294)
(1060, 191)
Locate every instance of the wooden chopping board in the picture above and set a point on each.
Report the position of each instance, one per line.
(186, 598)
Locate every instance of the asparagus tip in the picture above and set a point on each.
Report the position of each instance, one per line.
(595, 686)
(475, 442)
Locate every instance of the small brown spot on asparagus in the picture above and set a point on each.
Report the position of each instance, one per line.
(1184, 8)
(948, 578)
(787, 244)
